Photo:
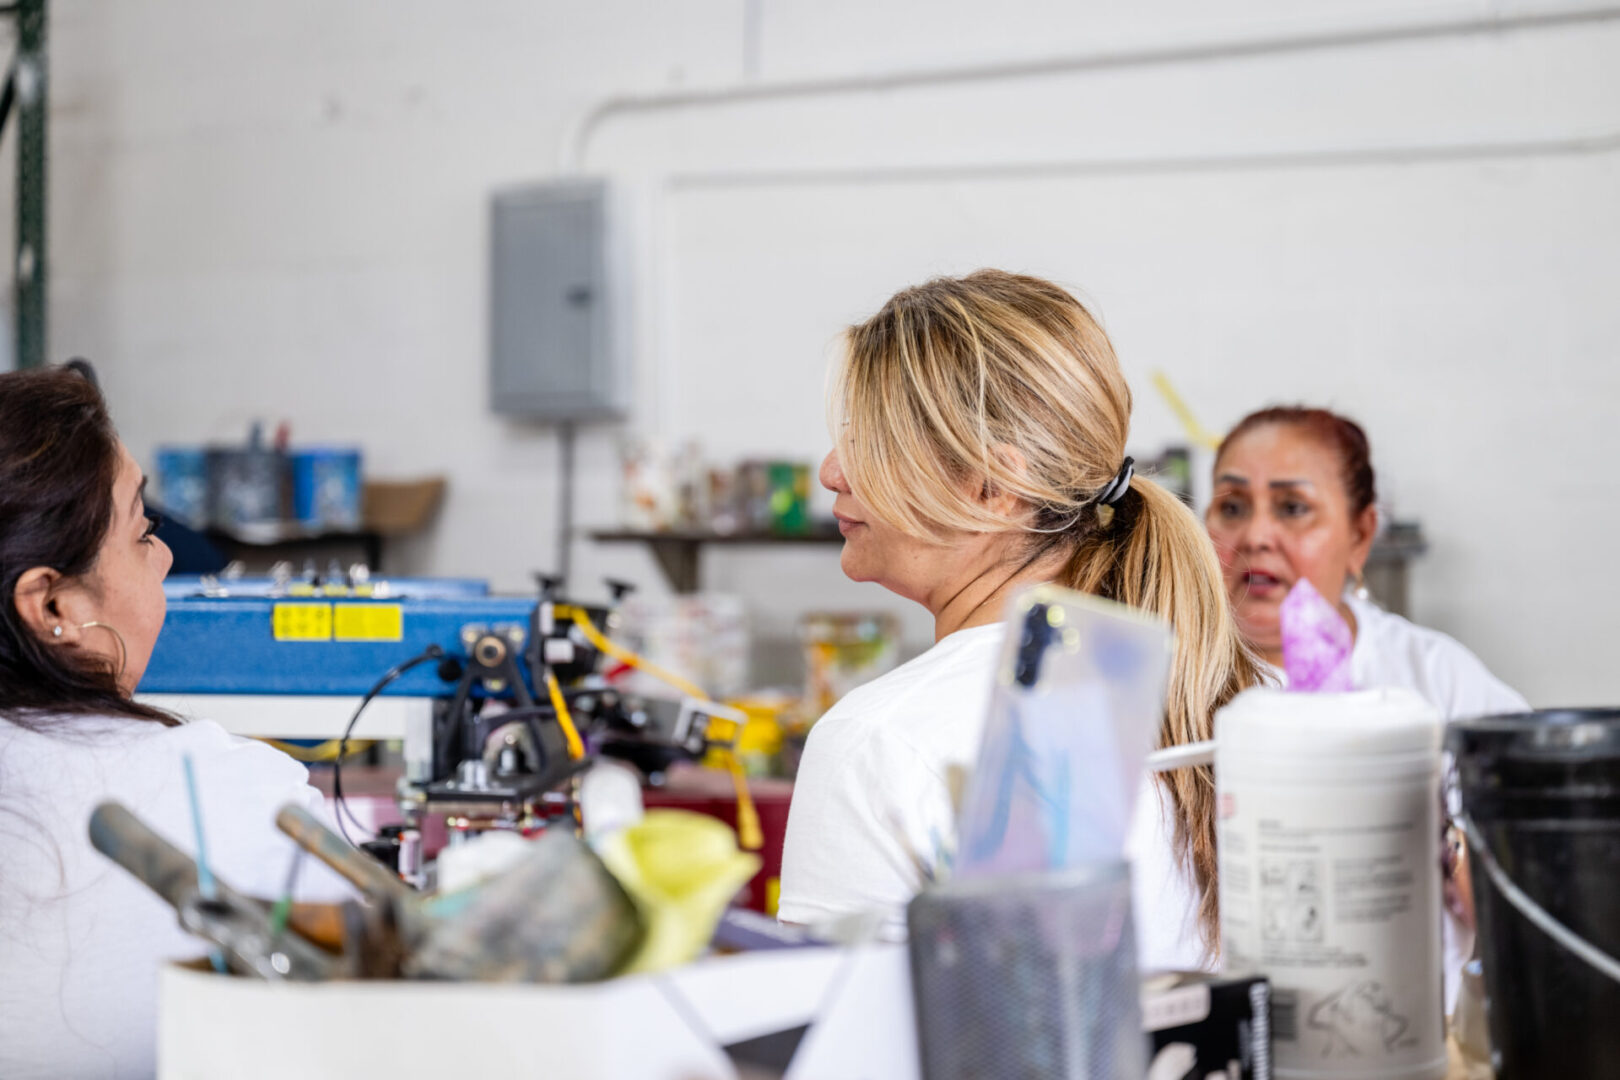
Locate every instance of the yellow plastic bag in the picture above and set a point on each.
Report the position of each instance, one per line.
(681, 869)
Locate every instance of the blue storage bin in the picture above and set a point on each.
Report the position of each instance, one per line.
(326, 487)
(182, 484)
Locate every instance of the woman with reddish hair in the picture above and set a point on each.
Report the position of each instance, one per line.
(1296, 497)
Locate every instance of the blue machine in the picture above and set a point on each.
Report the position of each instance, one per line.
(268, 637)
(320, 643)
(479, 766)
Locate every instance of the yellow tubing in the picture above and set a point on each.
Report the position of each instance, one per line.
(625, 656)
(576, 747)
(749, 833)
(320, 752)
(1189, 422)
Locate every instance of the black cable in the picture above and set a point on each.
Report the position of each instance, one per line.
(432, 652)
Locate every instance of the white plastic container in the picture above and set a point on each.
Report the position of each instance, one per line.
(1329, 834)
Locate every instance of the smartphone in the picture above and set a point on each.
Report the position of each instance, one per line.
(1076, 707)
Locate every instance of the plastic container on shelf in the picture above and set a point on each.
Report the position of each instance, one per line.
(182, 483)
(702, 637)
(843, 650)
(326, 487)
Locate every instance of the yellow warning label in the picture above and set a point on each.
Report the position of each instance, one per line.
(302, 622)
(368, 622)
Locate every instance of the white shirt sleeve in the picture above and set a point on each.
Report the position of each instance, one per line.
(868, 819)
(1164, 900)
(1465, 686)
(85, 939)
(1392, 651)
(241, 785)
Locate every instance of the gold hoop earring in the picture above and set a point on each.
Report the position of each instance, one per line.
(1362, 592)
(123, 650)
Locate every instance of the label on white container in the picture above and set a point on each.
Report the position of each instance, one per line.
(1333, 892)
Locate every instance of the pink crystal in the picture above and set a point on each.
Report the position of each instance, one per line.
(1316, 642)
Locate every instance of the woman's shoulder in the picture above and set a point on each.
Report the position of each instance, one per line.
(102, 747)
(250, 760)
(1396, 651)
(1393, 639)
(951, 679)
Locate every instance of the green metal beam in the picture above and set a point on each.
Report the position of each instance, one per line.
(30, 71)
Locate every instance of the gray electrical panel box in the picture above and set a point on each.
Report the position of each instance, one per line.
(551, 353)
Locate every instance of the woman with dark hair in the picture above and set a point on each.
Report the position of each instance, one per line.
(81, 605)
(1296, 497)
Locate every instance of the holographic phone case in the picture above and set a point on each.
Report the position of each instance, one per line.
(1076, 708)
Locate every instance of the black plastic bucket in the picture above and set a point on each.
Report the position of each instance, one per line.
(1541, 803)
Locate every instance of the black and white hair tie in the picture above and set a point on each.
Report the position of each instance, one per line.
(1116, 488)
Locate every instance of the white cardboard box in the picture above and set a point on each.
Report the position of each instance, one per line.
(671, 1026)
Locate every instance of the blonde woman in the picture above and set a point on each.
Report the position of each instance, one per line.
(981, 429)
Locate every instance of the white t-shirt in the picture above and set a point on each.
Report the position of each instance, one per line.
(872, 805)
(1390, 651)
(81, 940)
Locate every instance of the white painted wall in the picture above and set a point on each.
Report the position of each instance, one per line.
(278, 209)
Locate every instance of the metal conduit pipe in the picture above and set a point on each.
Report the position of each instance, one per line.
(577, 139)
(1337, 157)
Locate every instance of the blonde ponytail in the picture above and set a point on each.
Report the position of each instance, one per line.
(1155, 555)
(950, 376)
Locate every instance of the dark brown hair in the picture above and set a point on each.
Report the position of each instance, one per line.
(58, 460)
(1339, 434)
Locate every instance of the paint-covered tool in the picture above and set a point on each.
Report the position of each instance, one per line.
(238, 925)
(557, 915)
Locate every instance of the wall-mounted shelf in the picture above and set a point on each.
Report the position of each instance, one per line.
(679, 553)
(272, 543)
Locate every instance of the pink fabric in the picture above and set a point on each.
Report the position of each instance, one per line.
(1316, 642)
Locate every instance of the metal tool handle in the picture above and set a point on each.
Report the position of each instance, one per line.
(240, 925)
(365, 873)
(1186, 756)
(129, 842)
